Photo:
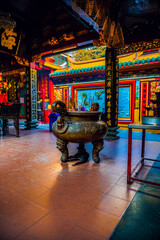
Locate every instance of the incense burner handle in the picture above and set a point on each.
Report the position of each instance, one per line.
(60, 107)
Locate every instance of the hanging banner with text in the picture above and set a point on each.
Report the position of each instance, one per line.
(111, 88)
(33, 75)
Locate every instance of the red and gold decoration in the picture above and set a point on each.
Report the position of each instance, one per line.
(144, 97)
(140, 46)
(153, 86)
(22, 61)
(61, 94)
(44, 85)
(111, 35)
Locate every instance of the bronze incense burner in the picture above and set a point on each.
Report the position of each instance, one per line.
(78, 127)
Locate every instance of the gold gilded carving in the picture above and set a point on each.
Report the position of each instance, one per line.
(83, 32)
(108, 104)
(54, 41)
(68, 36)
(109, 122)
(109, 84)
(109, 116)
(36, 58)
(8, 38)
(108, 91)
(22, 61)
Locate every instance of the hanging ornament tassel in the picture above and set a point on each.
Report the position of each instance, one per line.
(89, 7)
(106, 29)
(111, 33)
(120, 33)
(118, 39)
(100, 16)
(74, 4)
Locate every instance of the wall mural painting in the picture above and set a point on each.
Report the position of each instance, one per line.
(153, 86)
(58, 94)
(124, 102)
(61, 94)
(85, 97)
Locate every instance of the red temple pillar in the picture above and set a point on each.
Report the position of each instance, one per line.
(51, 92)
(43, 104)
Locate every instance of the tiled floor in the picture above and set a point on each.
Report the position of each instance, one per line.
(40, 198)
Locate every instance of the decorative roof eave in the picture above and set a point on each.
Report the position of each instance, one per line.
(77, 71)
(143, 63)
(140, 62)
(140, 67)
(91, 61)
(52, 66)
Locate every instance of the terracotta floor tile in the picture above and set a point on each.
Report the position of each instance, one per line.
(101, 188)
(32, 192)
(14, 185)
(28, 215)
(51, 227)
(99, 222)
(122, 192)
(34, 183)
(11, 202)
(88, 197)
(80, 233)
(26, 236)
(72, 210)
(4, 193)
(8, 230)
(122, 181)
(50, 200)
(74, 177)
(113, 205)
(61, 187)
(109, 177)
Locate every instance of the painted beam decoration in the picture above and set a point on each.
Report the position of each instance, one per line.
(140, 46)
(111, 87)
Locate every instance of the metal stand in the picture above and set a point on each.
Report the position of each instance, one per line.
(141, 162)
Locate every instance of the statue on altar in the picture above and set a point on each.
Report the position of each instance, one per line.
(155, 107)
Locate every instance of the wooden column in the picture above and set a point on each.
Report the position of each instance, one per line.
(111, 93)
(31, 98)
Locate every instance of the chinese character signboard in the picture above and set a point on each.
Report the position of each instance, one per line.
(111, 88)
(28, 95)
(12, 38)
(31, 94)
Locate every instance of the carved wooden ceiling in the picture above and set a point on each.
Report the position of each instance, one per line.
(48, 25)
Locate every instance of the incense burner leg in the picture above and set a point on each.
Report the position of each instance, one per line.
(16, 125)
(5, 127)
(81, 155)
(97, 147)
(62, 147)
